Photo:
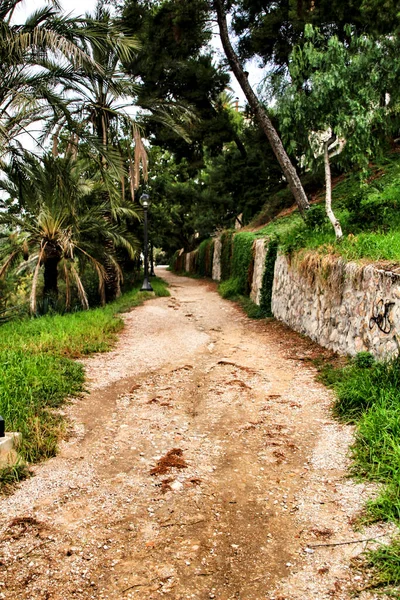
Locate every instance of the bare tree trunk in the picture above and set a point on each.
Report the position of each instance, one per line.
(328, 197)
(50, 288)
(260, 113)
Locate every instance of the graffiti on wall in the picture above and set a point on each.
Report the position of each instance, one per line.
(381, 316)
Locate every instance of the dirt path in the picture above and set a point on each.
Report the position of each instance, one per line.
(259, 476)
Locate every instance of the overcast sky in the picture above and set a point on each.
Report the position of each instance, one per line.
(77, 7)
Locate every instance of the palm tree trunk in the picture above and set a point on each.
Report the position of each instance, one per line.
(260, 113)
(113, 278)
(50, 290)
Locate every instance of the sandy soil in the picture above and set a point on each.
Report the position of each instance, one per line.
(203, 463)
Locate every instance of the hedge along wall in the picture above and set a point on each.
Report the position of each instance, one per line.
(242, 263)
(205, 258)
(226, 254)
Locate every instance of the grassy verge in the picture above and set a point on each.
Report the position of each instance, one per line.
(38, 372)
(228, 290)
(368, 395)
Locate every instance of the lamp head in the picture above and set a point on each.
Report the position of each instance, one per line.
(145, 200)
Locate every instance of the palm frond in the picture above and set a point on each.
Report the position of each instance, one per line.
(81, 290)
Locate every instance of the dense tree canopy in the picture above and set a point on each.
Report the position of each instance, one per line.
(270, 30)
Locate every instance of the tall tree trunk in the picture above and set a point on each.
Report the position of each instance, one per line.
(50, 289)
(260, 113)
(328, 194)
(113, 279)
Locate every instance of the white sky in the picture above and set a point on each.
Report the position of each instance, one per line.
(77, 7)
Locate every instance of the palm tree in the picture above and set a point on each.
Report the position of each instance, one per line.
(38, 58)
(55, 223)
(100, 99)
(107, 99)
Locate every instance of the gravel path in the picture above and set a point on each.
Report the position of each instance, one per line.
(203, 463)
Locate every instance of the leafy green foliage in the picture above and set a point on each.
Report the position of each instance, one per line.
(242, 262)
(270, 29)
(238, 285)
(228, 289)
(369, 215)
(174, 65)
(329, 91)
(226, 254)
(268, 277)
(61, 221)
(205, 258)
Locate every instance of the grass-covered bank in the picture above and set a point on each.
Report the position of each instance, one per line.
(368, 210)
(368, 395)
(38, 372)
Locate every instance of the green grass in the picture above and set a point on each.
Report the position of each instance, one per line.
(385, 565)
(9, 476)
(368, 395)
(38, 372)
(228, 290)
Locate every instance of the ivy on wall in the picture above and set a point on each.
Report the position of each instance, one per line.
(268, 277)
(205, 258)
(226, 254)
(242, 262)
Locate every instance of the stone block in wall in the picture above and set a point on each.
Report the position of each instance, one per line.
(345, 307)
(216, 269)
(260, 248)
(187, 262)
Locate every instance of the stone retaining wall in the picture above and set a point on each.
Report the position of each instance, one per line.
(216, 270)
(342, 306)
(260, 252)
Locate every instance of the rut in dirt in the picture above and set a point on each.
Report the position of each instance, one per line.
(186, 466)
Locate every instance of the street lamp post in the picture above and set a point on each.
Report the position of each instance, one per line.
(145, 202)
(152, 274)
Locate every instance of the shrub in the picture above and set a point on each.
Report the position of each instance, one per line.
(364, 360)
(228, 289)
